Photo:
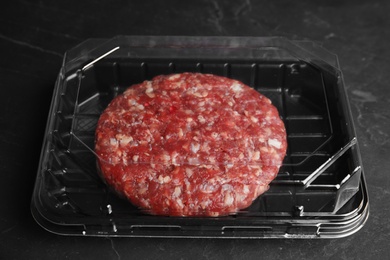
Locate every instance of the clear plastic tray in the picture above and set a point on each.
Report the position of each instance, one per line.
(319, 192)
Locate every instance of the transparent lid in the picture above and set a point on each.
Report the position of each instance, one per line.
(189, 47)
(81, 62)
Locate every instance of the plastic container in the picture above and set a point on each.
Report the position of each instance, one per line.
(320, 190)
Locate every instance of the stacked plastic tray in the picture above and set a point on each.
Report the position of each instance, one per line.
(320, 190)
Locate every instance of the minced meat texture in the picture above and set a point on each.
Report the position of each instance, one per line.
(190, 144)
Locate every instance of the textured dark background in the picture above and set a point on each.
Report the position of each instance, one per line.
(35, 34)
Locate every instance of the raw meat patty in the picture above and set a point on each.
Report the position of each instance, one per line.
(190, 144)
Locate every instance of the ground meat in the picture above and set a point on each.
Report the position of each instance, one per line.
(190, 144)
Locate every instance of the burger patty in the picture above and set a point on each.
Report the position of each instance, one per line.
(190, 144)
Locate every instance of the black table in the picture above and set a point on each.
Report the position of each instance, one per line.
(35, 34)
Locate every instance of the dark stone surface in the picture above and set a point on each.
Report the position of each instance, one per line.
(35, 34)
